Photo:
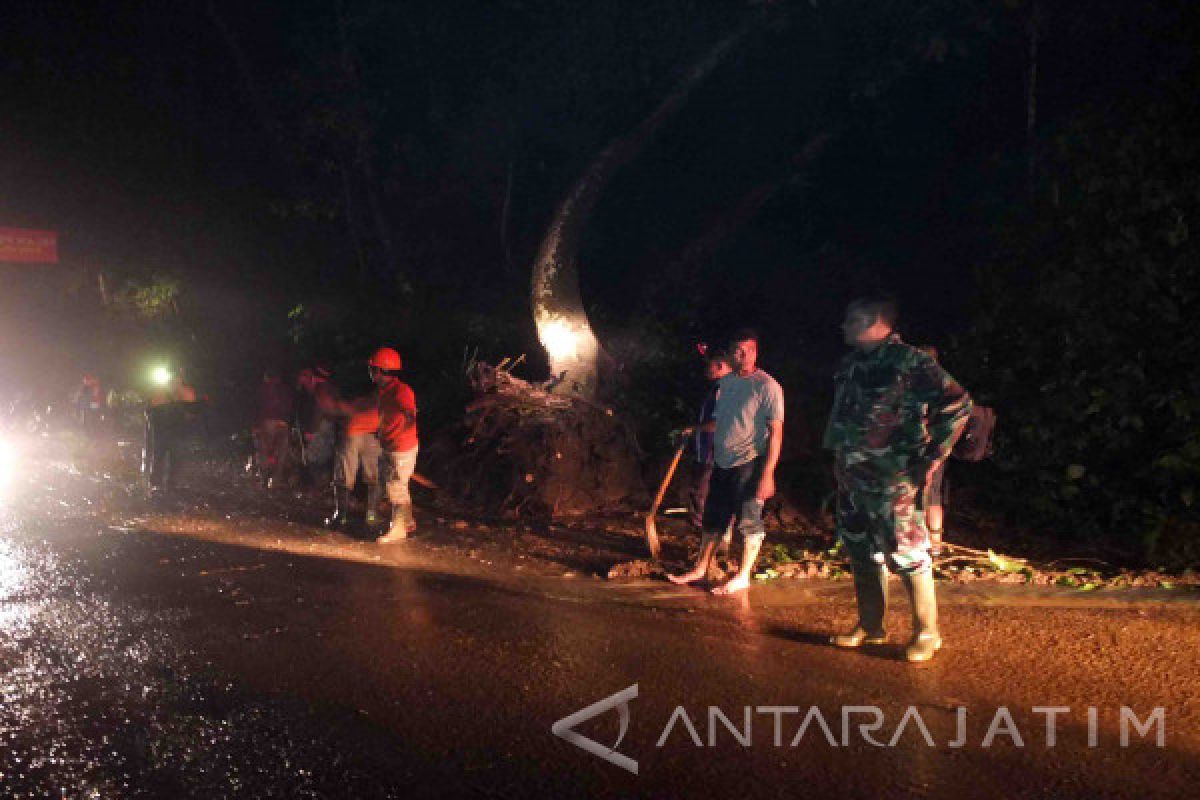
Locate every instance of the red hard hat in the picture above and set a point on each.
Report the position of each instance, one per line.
(387, 359)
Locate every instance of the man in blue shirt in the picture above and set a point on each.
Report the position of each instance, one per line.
(747, 429)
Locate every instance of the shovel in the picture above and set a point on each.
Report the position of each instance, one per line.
(421, 480)
(651, 530)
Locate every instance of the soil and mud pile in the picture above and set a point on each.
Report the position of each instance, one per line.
(524, 450)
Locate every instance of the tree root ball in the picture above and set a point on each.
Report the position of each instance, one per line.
(523, 450)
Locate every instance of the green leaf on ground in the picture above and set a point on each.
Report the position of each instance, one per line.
(1003, 564)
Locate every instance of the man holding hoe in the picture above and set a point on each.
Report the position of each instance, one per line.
(747, 428)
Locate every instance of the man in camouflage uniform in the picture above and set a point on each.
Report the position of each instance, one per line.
(895, 417)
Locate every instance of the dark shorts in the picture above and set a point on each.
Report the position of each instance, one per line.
(697, 494)
(931, 495)
(731, 498)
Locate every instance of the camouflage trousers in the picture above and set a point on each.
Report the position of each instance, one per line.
(878, 522)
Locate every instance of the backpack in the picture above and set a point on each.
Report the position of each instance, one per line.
(975, 443)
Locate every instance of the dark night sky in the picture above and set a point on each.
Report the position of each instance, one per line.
(130, 127)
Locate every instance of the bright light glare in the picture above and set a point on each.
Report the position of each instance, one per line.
(560, 341)
(8, 468)
(160, 375)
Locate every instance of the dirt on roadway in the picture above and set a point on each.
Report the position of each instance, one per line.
(223, 644)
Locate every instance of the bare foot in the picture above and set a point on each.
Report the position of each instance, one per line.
(687, 577)
(738, 584)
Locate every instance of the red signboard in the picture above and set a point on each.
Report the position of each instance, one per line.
(24, 246)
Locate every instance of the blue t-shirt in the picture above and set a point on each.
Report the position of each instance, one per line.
(743, 409)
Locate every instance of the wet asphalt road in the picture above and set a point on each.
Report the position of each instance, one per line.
(204, 650)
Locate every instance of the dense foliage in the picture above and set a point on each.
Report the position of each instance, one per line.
(1087, 341)
(385, 171)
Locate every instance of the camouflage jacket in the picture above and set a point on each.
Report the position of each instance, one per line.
(896, 412)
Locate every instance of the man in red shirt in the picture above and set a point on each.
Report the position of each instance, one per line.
(397, 436)
(89, 401)
(358, 455)
(316, 412)
(271, 428)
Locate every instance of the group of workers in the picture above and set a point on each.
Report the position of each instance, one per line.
(342, 442)
(366, 438)
(895, 418)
